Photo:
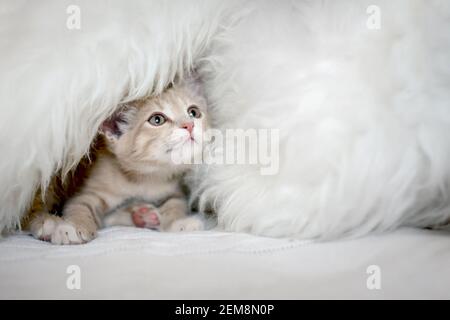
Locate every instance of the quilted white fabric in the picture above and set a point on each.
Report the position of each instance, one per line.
(136, 263)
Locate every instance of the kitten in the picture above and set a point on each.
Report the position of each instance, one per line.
(133, 179)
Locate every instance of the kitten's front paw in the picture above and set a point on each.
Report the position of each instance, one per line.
(146, 216)
(188, 224)
(43, 226)
(67, 233)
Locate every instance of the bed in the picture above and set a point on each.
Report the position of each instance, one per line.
(131, 263)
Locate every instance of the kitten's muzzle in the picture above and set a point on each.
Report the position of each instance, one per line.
(189, 126)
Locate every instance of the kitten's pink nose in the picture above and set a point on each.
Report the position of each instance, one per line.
(189, 126)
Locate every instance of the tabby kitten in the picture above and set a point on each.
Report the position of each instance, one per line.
(133, 179)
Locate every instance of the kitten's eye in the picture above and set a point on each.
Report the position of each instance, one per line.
(157, 119)
(194, 112)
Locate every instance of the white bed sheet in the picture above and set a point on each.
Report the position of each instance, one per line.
(143, 264)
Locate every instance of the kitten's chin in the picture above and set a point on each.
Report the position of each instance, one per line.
(162, 167)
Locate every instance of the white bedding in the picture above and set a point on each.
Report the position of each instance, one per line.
(136, 263)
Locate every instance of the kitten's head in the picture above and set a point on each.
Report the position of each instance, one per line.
(157, 134)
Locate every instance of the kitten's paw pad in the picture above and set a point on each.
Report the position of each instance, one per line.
(187, 225)
(67, 233)
(146, 216)
(43, 227)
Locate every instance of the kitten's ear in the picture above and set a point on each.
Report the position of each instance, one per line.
(116, 125)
